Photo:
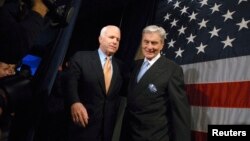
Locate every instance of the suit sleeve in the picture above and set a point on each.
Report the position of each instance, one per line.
(180, 108)
(72, 76)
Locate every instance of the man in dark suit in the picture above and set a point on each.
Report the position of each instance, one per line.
(94, 104)
(157, 106)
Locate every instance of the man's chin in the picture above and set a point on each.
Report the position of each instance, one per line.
(111, 52)
(149, 55)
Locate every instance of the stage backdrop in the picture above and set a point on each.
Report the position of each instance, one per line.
(210, 39)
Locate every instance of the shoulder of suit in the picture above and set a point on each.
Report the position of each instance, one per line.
(170, 62)
(83, 53)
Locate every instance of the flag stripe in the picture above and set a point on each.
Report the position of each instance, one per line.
(234, 94)
(203, 116)
(224, 70)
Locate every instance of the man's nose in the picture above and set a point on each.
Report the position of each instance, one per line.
(115, 41)
(150, 46)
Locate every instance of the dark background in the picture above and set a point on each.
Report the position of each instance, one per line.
(56, 44)
(130, 15)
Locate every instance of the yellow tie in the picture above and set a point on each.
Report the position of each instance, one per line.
(107, 73)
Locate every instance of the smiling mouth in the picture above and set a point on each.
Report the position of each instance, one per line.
(150, 52)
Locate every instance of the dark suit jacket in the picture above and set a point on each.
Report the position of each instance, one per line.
(157, 115)
(86, 85)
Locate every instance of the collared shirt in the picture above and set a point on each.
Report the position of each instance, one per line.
(151, 62)
(102, 57)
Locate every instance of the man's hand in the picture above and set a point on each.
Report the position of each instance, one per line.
(79, 114)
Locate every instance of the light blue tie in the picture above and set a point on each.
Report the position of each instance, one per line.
(143, 69)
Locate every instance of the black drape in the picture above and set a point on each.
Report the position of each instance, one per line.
(137, 15)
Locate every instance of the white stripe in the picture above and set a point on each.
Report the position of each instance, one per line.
(203, 116)
(225, 70)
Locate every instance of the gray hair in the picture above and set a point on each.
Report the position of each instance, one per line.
(155, 28)
(104, 29)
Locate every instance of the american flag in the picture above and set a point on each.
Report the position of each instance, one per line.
(210, 39)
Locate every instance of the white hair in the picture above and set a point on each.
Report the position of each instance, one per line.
(155, 28)
(104, 29)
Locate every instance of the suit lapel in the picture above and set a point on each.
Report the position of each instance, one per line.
(133, 77)
(151, 75)
(97, 67)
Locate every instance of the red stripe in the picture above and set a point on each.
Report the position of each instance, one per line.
(199, 136)
(233, 94)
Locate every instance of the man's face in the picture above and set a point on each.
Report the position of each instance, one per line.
(109, 42)
(6, 69)
(151, 45)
